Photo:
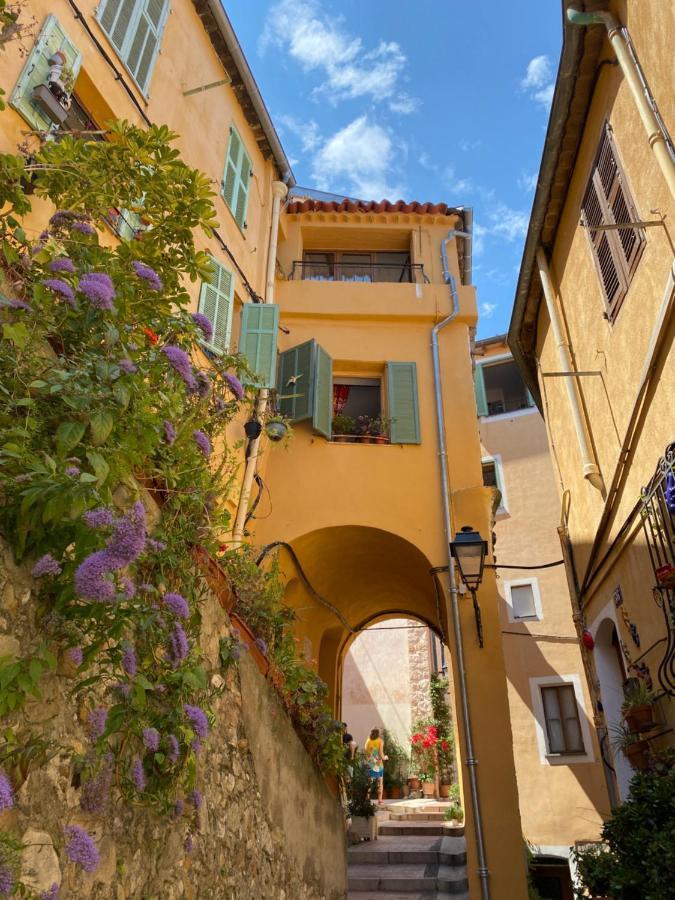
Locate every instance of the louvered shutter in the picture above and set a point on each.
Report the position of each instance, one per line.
(216, 303)
(322, 414)
(135, 30)
(258, 340)
(237, 178)
(403, 402)
(479, 389)
(295, 383)
(116, 18)
(36, 69)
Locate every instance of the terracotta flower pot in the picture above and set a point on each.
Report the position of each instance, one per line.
(414, 784)
(639, 718)
(395, 792)
(636, 754)
(444, 790)
(248, 638)
(342, 438)
(216, 578)
(429, 788)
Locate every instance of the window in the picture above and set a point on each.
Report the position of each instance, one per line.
(216, 301)
(237, 178)
(363, 265)
(563, 730)
(258, 340)
(523, 600)
(135, 30)
(608, 201)
(500, 389)
(356, 397)
(493, 476)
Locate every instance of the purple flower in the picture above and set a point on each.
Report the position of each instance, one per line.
(178, 809)
(203, 385)
(156, 546)
(147, 274)
(129, 663)
(147, 588)
(6, 881)
(188, 843)
(51, 894)
(219, 404)
(124, 689)
(235, 385)
(196, 745)
(151, 738)
(83, 228)
(99, 517)
(6, 793)
(198, 720)
(81, 848)
(72, 471)
(169, 432)
(127, 366)
(202, 441)
(63, 217)
(177, 604)
(96, 790)
(46, 565)
(261, 645)
(60, 287)
(126, 545)
(179, 646)
(174, 748)
(98, 288)
(196, 799)
(62, 264)
(15, 303)
(91, 581)
(180, 362)
(204, 323)
(138, 773)
(97, 720)
(75, 655)
(128, 588)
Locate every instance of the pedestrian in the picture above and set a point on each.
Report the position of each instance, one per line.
(348, 742)
(375, 759)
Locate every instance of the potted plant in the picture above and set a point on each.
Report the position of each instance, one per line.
(395, 765)
(634, 748)
(637, 707)
(454, 812)
(378, 429)
(423, 742)
(361, 808)
(276, 428)
(342, 429)
(362, 430)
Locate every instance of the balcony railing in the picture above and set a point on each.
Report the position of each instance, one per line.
(392, 273)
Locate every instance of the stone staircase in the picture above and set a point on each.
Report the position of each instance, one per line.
(417, 856)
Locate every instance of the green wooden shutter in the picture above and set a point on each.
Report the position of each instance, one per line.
(237, 178)
(216, 301)
(322, 414)
(479, 388)
(116, 18)
(295, 383)
(258, 340)
(36, 69)
(135, 30)
(403, 403)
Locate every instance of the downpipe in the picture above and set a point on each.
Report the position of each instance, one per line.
(453, 611)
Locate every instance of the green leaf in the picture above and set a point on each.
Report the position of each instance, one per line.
(88, 478)
(68, 434)
(99, 465)
(101, 424)
(122, 394)
(17, 333)
(143, 681)
(159, 758)
(35, 669)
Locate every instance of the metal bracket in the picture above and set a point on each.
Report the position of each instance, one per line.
(206, 87)
(569, 374)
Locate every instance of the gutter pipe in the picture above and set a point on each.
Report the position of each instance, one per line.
(279, 191)
(590, 469)
(619, 38)
(453, 606)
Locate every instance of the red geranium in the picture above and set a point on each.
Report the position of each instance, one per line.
(151, 335)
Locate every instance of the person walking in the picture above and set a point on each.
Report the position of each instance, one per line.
(375, 759)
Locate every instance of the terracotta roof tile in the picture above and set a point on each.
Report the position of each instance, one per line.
(371, 206)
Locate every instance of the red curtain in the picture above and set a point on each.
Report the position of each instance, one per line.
(340, 397)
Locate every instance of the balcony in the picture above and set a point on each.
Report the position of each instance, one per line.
(367, 271)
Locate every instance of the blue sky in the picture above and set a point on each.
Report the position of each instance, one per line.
(440, 100)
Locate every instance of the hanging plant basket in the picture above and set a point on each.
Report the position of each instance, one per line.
(276, 431)
(248, 639)
(637, 755)
(253, 428)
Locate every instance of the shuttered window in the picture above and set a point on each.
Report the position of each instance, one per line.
(479, 388)
(36, 69)
(135, 30)
(563, 731)
(607, 201)
(216, 302)
(258, 340)
(237, 178)
(403, 403)
(305, 386)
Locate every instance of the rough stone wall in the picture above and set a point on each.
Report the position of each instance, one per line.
(420, 673)
(241, 848)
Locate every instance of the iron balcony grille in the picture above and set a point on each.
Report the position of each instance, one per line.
(392, 273)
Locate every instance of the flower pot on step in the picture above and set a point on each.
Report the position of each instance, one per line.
(365, 828)
(429, 788)
(414, 784)
(639, 718)
(395, 792)
(444, 791)
(249, 640)
(637, 755)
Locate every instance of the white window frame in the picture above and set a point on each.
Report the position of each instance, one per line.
(496, 458)
(560, 759)
(500, 358)
(522, 582)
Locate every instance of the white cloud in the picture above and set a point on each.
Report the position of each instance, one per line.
(357, 160)
(318, 42)
(545, 95)
(538, 81)
(527, 181)
(307, 132)
(507, 223)
(479, 232)
(487, 309)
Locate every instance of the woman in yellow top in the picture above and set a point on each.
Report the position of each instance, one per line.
(375, 758)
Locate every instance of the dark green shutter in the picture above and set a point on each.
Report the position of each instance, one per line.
(296, 381)
(237, 178)
(322, 415)
(36, 69)
(403, 403)
(258, 340)
(479, 388)
(216, 302)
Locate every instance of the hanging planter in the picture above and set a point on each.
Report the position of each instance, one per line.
(276, 430)
(253, 429)
(637, 755)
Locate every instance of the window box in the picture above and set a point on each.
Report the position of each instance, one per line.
(48, 104)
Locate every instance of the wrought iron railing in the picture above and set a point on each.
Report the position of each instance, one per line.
(658, 518)
(393, 273)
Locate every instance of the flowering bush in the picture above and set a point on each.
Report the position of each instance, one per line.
(423, 744)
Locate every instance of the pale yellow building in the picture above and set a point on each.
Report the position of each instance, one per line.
(592, 332)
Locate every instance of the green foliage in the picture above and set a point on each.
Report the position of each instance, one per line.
(259, 594)
(20, 678)
(360, 787)
(438, 692)
(637, 694)
(20, 754)
(397, 762)
(343, 425)
(638, 859)
(453, 812)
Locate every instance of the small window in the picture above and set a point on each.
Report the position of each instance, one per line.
(500, 389)
(490, 474)
(523, 599)
(563, 730)
(135, 28)
(493, 476)
(356, 397)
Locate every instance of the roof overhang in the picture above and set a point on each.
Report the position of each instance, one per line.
(224, 40)
(574, 88)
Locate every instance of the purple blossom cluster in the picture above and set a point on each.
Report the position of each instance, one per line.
(189, 844)
(61, 287)
(127, 366)
(178, 809)
(97, 720)
(95, 794)
(219, 404)
(63, 218)
(261, 645)
(203, 385)
(174, 748)
(62, 264)
(198, 720)
(46, 565)
(169, 432)
(204, 324)
(84, 228)
(196, 799)
(235, 385)
(72, 471)
(126, 545)
(6, 881)
(147, 274)
(76, 656)
(6, 793)
(129, 663)
(98, 288)
(178, 647)
(138, 773)
(180, 362)
(128, 587)
(155, 545)
(177, 604)
(15, 303)
(101, 517)
(51, 894)
(151, 738)
(81, 848)
(202, 442)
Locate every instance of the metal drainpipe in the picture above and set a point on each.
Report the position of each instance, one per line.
(590, 469)
(619, 38)
(471, 761)
(279, 191)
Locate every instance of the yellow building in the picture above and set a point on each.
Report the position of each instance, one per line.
(592, 331)
(561, 789)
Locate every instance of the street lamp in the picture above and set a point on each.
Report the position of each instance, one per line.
(469, 549)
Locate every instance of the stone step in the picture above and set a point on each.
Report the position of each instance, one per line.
(397, 895)
(417, 816)
(409, 878)
(441, 829)
(451, 851)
